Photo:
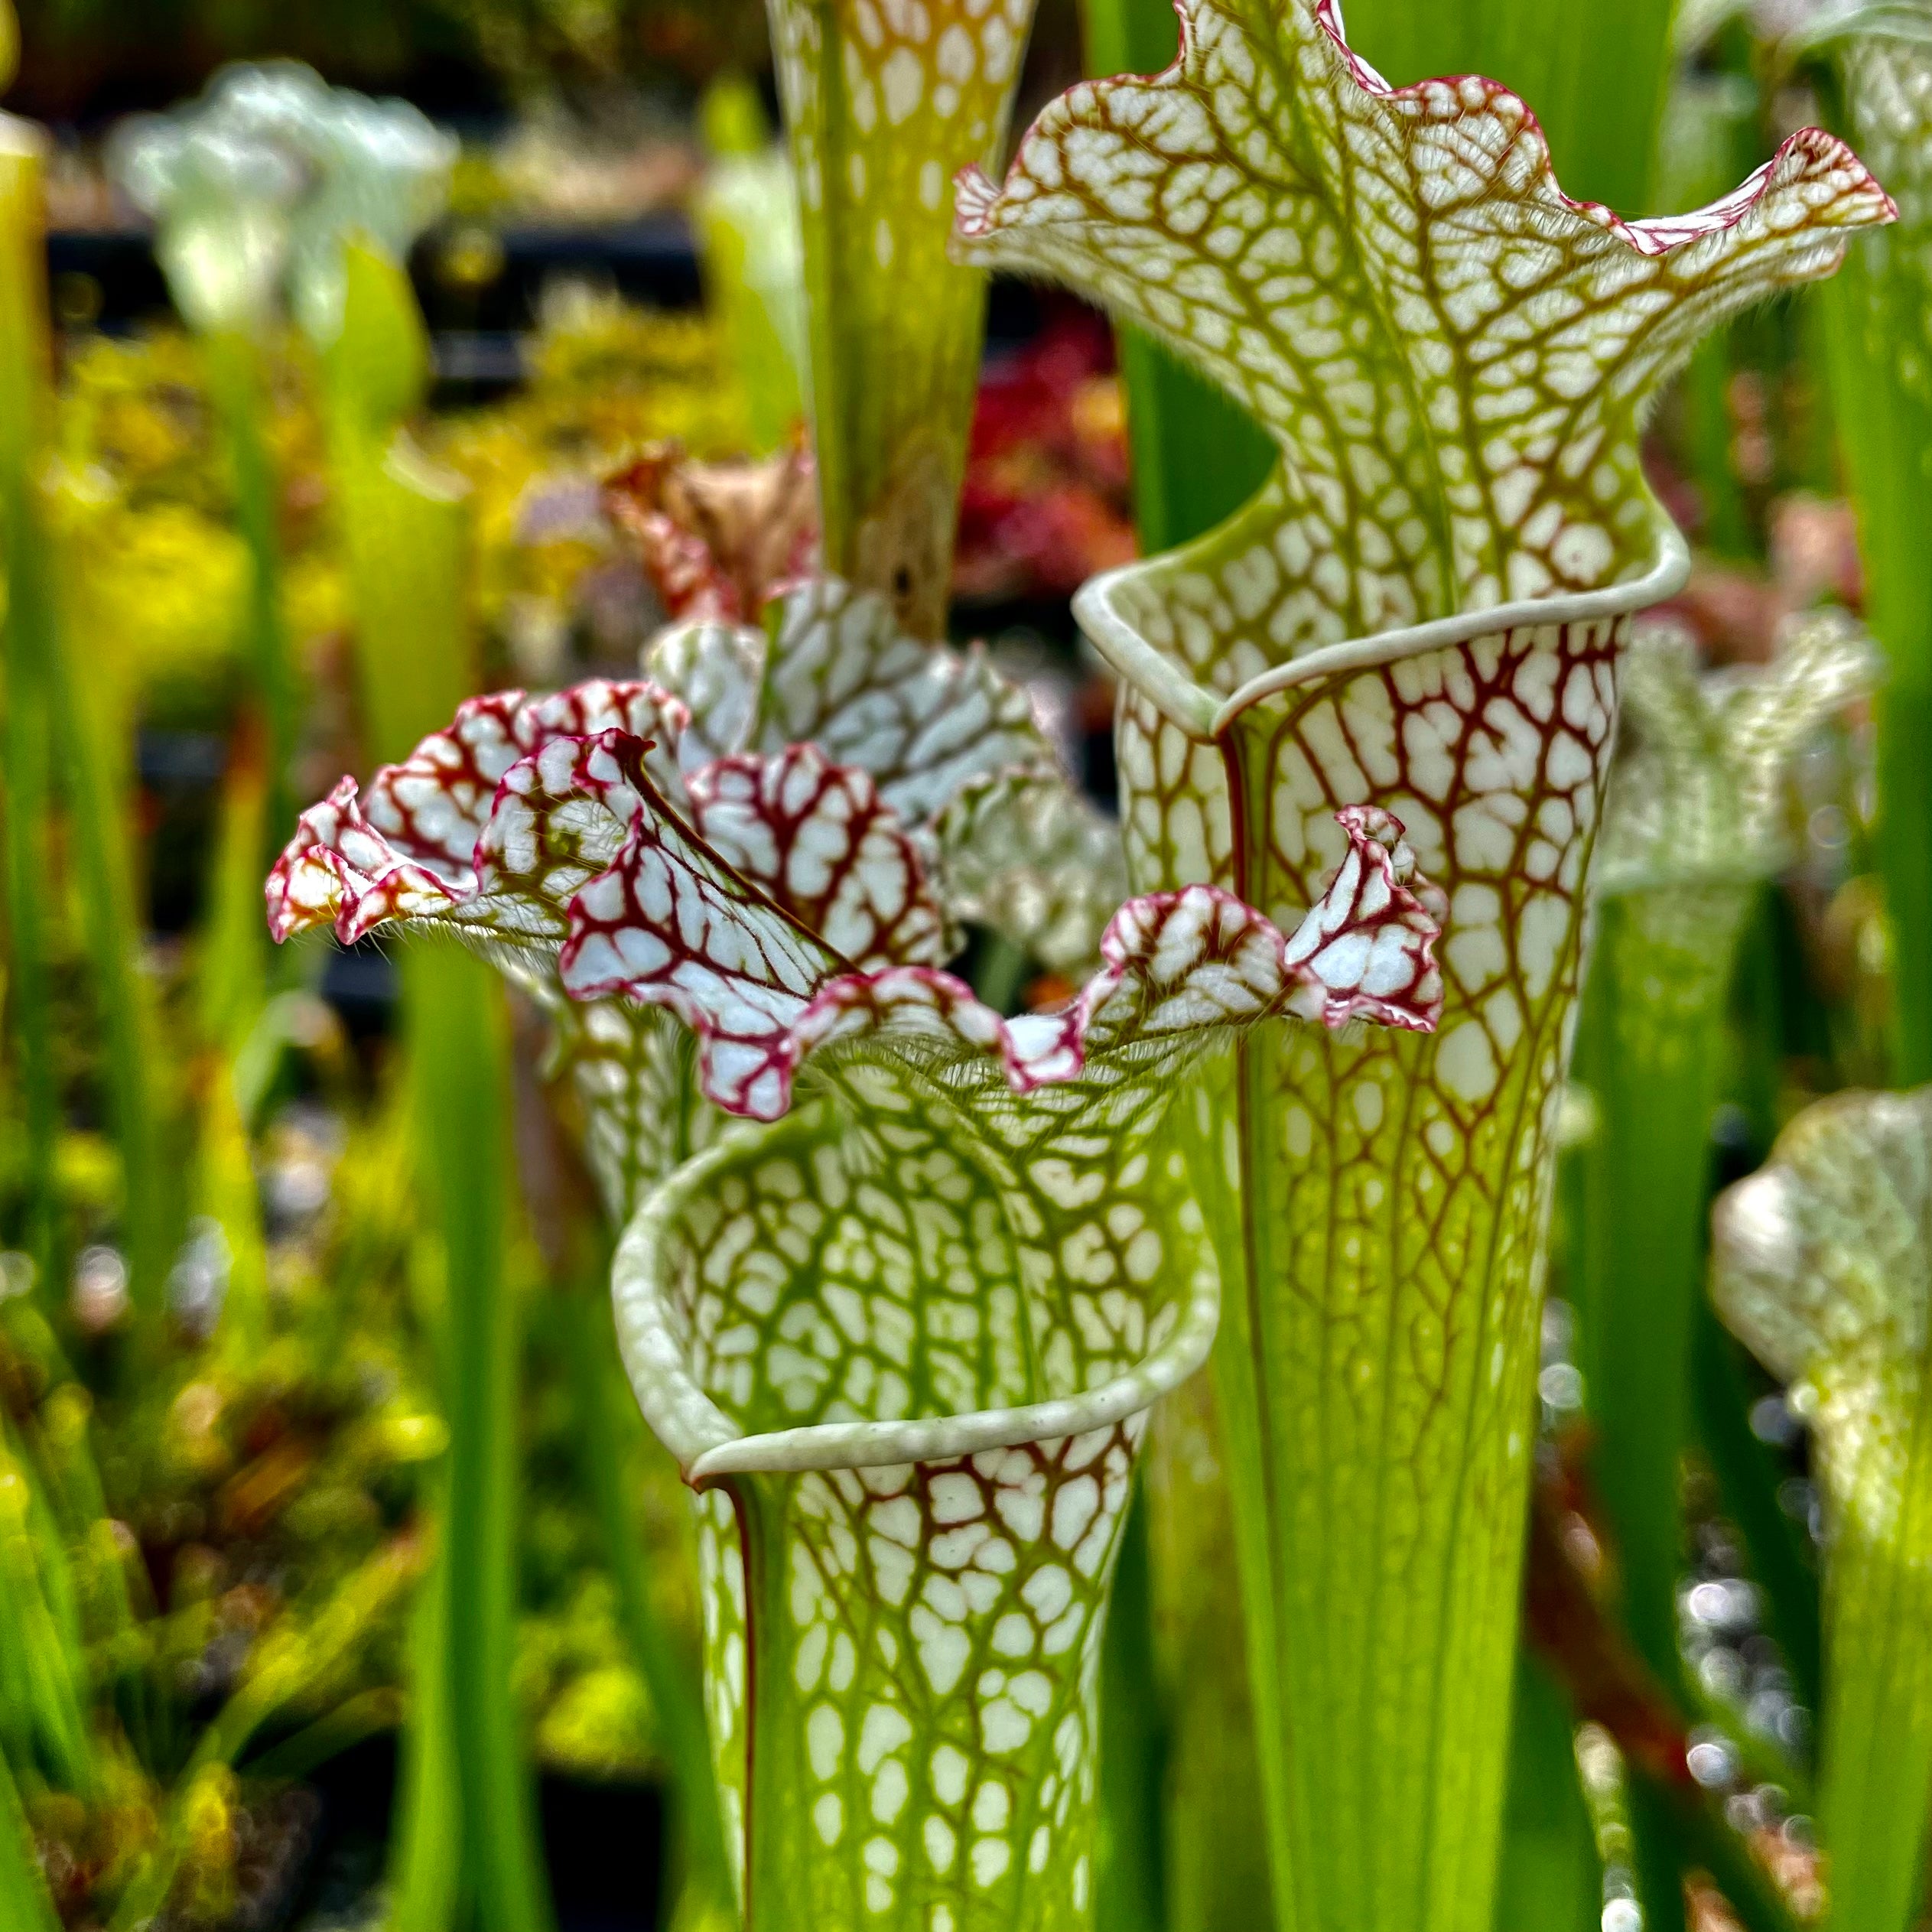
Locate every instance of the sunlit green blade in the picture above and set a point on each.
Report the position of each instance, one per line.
(1597, 74)
(29, 644)
(365, 1715)
(236, 386)
(426, 1854)
(406, 528)
(230, 975)
(74, 714)
(454, 1009)
(1879, 335)
(404, 525)
(1549, 1880)
(670, 1677)
(25, 1904)
(746, 215)
(47, 1689)
(94, 771)
(232, 984)
(1877, 1750)
(1650, 1052)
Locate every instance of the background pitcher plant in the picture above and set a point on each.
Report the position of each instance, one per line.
(1696, 822)
(883, 106)
(1821, 1265)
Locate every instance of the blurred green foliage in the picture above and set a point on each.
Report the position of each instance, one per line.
(220, 1496)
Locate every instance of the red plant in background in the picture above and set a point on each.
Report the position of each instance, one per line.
(1045, 505)
(715, 539)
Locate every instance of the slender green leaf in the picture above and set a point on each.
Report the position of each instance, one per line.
(231, 977)
(231, 994)
(747, 225)
(365, 1715)
(883, 108)
(426, 1847)
(1131, 1885)
(72, 714)
(25, 773)
(47, 1689)
(24, 1904)
(236, 383)
(98, 820)
(376, 367)
(1548, 1880)
(1597, 74)
(457, 1031)
(1879, 339)
(670, 1677)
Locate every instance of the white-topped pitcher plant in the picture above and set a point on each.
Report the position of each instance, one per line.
(903, 1337)
(263, 191)
(1423, 608)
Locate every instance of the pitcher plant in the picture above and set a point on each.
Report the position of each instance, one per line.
(1424, 610)
(1821, 1266)
(907, 1334)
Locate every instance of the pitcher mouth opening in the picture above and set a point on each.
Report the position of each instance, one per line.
(1203, 714)
(709, 1444)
